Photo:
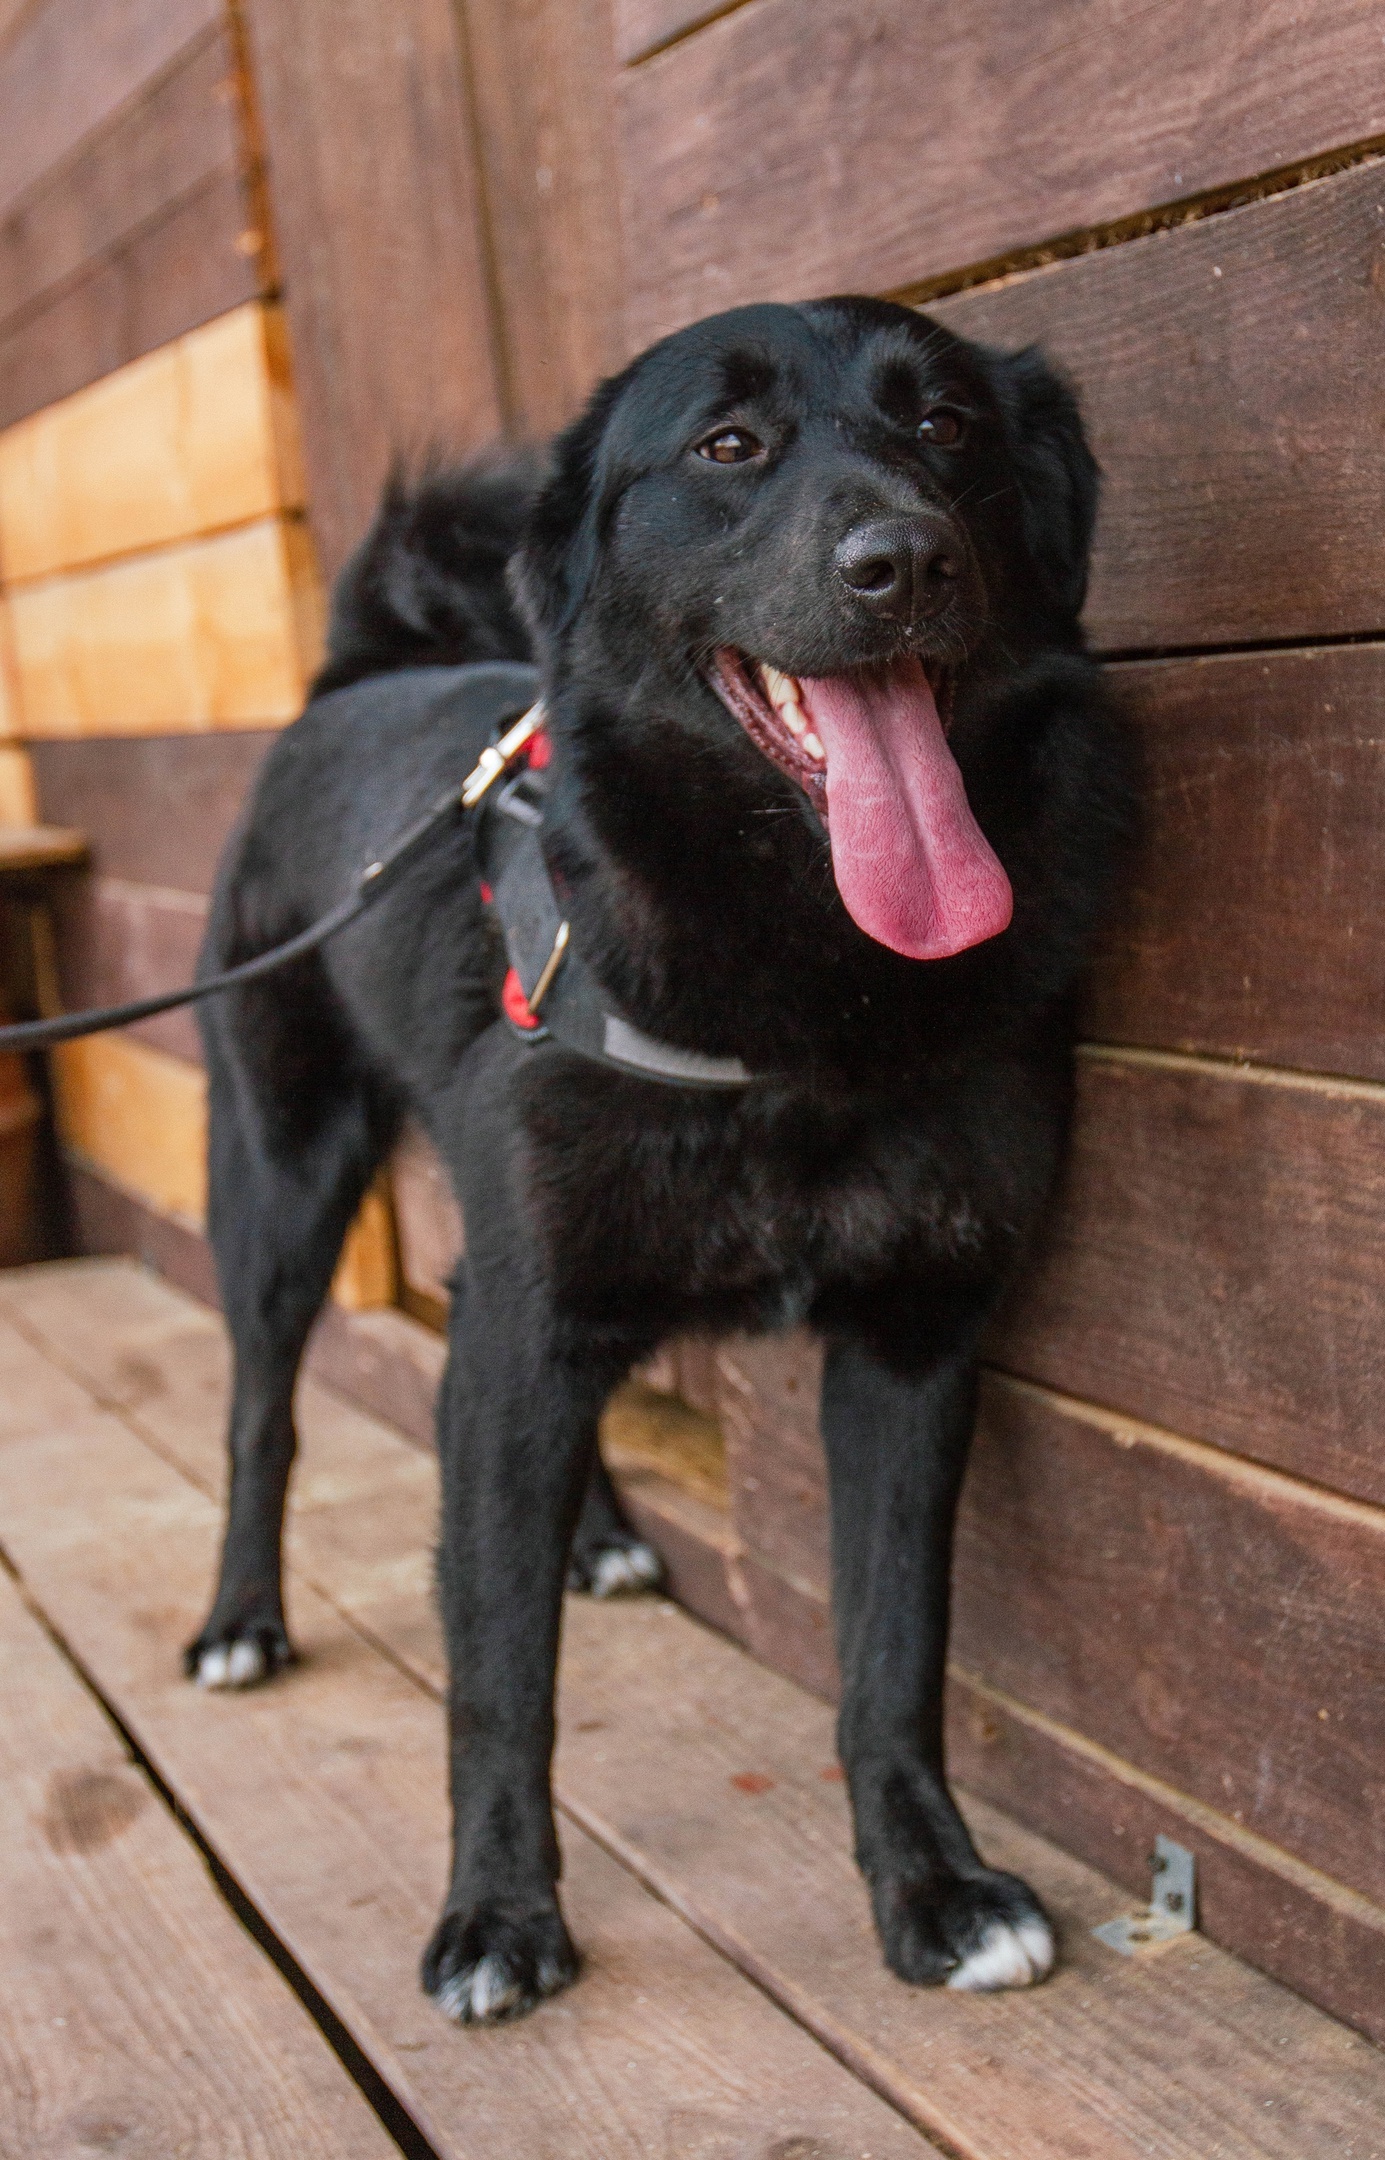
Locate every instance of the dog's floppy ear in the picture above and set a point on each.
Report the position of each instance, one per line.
(553, 568)
(1057, 475)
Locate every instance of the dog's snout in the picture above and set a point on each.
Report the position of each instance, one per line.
(903, 568)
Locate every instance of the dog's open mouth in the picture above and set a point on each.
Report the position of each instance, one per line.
(869, 749)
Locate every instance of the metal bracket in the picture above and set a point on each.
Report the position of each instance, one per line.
(1171, 1911)
(515, 803)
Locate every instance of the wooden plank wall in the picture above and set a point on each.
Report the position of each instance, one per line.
(905, 144)
(464, 278)
(1176, 1467)
(160, 604)
(189, 230)
(189, 234)
(127, 195)
(157, 583)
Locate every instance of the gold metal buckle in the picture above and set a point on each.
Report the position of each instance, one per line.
(496, 757)
(550, 968)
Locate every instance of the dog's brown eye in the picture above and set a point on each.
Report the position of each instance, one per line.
(941, 429)
(731, 446)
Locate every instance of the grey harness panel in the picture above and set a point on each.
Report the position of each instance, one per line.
(573, 1008)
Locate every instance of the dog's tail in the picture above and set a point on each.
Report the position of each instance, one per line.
(426, 587)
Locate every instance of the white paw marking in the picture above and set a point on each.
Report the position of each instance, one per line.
(623, 1570)
(231, 1665)
(479, 1996)
(1007, 1957)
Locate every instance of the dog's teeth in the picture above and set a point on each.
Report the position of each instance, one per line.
(781, 690)
(813, 745)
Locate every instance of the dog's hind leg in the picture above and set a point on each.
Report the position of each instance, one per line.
(896, 1449)
(295, 1136)
(608, 1558)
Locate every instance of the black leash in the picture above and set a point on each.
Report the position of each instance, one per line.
(374, 881)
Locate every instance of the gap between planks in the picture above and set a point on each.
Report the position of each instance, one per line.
(1111, 2059)
(721, 2072)
(1259, 1479)
(1138, 224)
(1199, 1065)
(1273, 1859)
(117, 1950)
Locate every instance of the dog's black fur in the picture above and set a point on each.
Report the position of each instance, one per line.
(881, 1189)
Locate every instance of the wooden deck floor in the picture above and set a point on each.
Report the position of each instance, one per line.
(733, 2006)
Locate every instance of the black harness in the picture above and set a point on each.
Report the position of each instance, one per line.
(549, 993)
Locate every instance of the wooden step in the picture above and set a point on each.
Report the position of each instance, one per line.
(325, 1800)
(136, 2015)
(707, 1778)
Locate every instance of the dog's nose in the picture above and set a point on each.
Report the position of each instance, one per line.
(904, 568)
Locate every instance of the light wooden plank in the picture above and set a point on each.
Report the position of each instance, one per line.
(367, 1275)
(36, 847)
(644, 1429)
(137, 1115)
(140, 1115)
(18, 796)
(132, 2004)
(195, 437)
(325, 1797)
(210, 633)
(1191, 2055)
(9, 687)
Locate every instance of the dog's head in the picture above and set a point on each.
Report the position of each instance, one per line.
(830, 519)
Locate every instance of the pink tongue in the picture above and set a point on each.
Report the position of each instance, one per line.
(912, 864)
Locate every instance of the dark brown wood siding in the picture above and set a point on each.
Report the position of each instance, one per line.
(119, 238)
(1169, 1573)
(373, 185)
(1227, 370)
(157, 810)
(872, 145)
(1170, 1568)
(1250, 927)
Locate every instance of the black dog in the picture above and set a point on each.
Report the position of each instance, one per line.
(833, 794)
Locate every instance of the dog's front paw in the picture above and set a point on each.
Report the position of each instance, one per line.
(980, 1932)
(238, 1656)
(495, 1965)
